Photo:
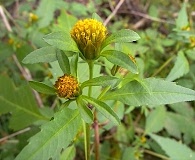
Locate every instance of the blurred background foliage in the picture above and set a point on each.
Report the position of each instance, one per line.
(166, 50)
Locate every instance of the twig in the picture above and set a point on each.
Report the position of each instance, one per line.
(5, 21)
(28, 77)
(146, 16)
(114, 12)
(14, 134)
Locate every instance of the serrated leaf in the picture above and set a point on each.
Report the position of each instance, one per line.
(155, 120)
(20, 102)
(63, 62)
(101, 81)
(103, 108)
(161, 92)
(42, 88)
(45, 54)
(181, 67)
(122, 36)
(85, 112)
(120, 59)
(175, 150)
(182, 19)
(61, 40)
(54, 136)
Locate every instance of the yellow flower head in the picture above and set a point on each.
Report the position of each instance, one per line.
(67, 86)
(89, 35)
(33, 17)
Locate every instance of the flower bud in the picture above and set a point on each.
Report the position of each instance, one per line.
(89, 35)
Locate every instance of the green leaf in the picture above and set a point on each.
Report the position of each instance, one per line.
(180, 68)
(85, 112)
(182, 19)
(175, 150)
(61, 40)
(45, 12)
(55, 135)
(122, 36)
(42, 88)
(121, 59)
(20, 102)
(69, 153)
(103, 108)
(63, 62)
(155, 120)
(161, 92)
(184, 109)
(97, 17)
(45, 54)
(65, 19)
(74, 64)
(101, 81)
(176, 124)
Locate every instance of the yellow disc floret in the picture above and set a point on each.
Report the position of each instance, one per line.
(67, 86)
(89, 35)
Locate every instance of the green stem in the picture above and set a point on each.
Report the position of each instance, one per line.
(163, 66)
(86, 125)
(90, 64)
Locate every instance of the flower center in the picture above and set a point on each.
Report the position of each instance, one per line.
(67, 86)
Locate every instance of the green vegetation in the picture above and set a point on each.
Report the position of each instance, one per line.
(73, 89)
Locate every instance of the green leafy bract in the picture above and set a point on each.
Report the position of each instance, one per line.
(120, 59)
(61, 40)
(63, 62)
(54, 136)
(103, 108)
(42, 88)
(161, 92)
(122, 36)
(20, 102)
(45, 54)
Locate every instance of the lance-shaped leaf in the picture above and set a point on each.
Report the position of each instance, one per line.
(63, 62)
(41, 87)
(103, 108)
(101, 81)
(55, 135)
(20, 102)
(61, 40)
(44, 54)
(175, 150)
(120, 59)
(122, 36)
(161, 92)
(74, 65)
